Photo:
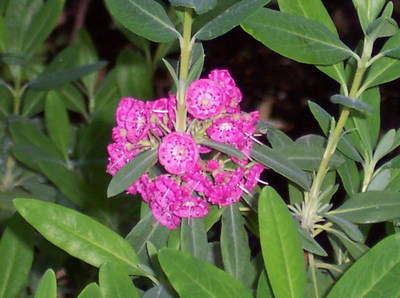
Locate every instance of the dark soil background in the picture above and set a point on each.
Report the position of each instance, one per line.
(278, 87)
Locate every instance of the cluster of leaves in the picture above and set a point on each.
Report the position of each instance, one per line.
(48, 155)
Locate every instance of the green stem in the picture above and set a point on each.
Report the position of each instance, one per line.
(313, 273)
(18, 91)
(186, 47)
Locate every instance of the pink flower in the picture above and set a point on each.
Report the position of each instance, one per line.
(178, 153)
(232, 100)
(205, 99)
(223, 78)
(249, 122)
(191, 207)
(244, 145)
(158, 110)
(143, 186)
(164, 216)
(119, 155)
(252, 176)
(132, 115)
(225, 130)
(227, 189)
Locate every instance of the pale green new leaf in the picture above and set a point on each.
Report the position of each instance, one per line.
(367, 11)
(47, 287)
(194, 278)
(281, 246)
(146, 18)
(78, 234)
(296, 37)
(91, 291)
(360, 281)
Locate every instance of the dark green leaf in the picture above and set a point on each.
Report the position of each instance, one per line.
(279, 163)
(229, 19)
(47, 287)
(235, 245)
(132, 171)
(191, 277)
(350, 176)
(41, 26)
(345, 146)
(90, 291)
(3, 35)
(16, 256)
(384, 258)
(194, 238)
(353, 103)
(350, 229)
(296, 37)
(72, 98)
(57, 123)
(134, 76)
(385, 145)
(115, 282)
(370, 207)
(308, 158)
(278, 138)
(107, 97)
(310, 244)
(200, 6)
(47, 81)
(367, 11)
(281, 246)
(147, 230)
(224, 148)
(33, 103)
(146, 18)
(382, 27)
(78, 234)
(356, 250)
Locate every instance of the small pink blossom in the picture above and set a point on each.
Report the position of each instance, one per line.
(158, 110)
(191, 207)
(119, 155)
(178, 153)
(132, 115)
(252, 175)
(223, 78)
(143, 186)
(165, 216)
(232, 100)
(205, 99)
(227, 189)
(225, 130)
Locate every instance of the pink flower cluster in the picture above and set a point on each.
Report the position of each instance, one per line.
(192, 175)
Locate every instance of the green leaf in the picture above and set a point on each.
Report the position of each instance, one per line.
(78, 234)
(191, 277)
(370, 207)
(115, 282)
(146, 18)
(356, 250)
(308, 158)
(194, 238)
(345, 145)
(132, 171)
(263, 286)
(157, 292)
(367, 11)
(350, 176)
(224, 148)
(350, 229)
(309, 243)
(382, 281)
(235, 245)
(352, 103)
(72, 99)
(134, 76)
(385, 145)
(279, 163)
(200, 6)
(147, 230)
(278, 138)
(107, 97)
(305, 40)
(41, 26)
(47, 81)
(91, 291)
(385, 69)
(281, 246)
(229, 19)
(382, 27)
(47, 287)
(3, 35)
(57, 123)
(16, 256)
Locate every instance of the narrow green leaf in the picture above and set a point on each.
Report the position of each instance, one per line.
(367, 11)
(78, 234)
(57, 123)
(370, 207)
(385, 145)
(350, 176)
(382, 281)
(224, 148)
(345, 145)
(157, 292)
(279, 163)
(194, 238)
(352, 103)
(382, 27)
(41, 26)
(16, 256)
(263, 287)
(308, 158)
(147, 230)
(132, 171)
(47, 81)
(350, 229)
(134, 76)
(306, 41)
(3, 35)
(47, 287)
(171, 71)
(191, 277)
(107, 97)
(309, 243)
(115, 282)
(72, 98)
(281, 246)
(356, 250)
(278, 138)
(229, 19)
(380, 180)
(235, 244)
(146, 18)
(200, 6)
(91, 291)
